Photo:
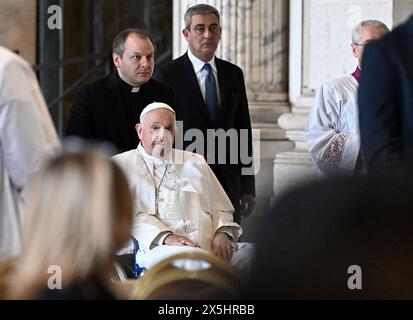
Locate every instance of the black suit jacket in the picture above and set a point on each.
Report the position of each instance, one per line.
(190, 108)
(386, 100)
(101, 110)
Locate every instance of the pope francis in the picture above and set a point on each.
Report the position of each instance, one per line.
(180, 205)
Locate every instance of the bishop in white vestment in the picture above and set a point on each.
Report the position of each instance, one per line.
(332, 131)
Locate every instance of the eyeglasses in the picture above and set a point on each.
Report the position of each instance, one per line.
(363, 44)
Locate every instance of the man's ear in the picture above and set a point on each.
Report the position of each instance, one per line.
(185, 32)
(138, 129)
(353, 49)
(116, 59)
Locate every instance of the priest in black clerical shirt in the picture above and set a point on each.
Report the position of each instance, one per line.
(108, 109)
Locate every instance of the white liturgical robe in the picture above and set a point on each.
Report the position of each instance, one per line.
(332, 130)
(191, 202)
(27, 137)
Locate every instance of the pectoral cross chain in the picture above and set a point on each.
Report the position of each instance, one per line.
(157, 191)
(157, 188)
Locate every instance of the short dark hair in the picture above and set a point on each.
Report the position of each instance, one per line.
(120, 39)
(199, 9)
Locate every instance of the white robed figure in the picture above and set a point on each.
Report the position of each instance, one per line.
(332, 132)
(180, 205)
(27, 138)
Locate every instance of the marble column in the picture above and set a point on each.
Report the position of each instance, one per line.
(320, 38)
(254, 37)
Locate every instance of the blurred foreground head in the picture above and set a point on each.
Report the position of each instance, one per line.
(325, 238)
(79, 212)
(188, 276)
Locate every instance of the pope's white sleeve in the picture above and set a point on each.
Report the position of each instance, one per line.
(147, 229)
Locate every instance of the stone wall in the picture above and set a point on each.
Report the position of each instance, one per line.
(327, 36)
(18, 27)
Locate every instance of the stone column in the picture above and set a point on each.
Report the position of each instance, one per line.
(254, 37)
(320, 38)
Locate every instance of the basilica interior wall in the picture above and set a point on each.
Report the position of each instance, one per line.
(18, 27)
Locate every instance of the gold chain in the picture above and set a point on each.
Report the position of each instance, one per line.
(157, 188)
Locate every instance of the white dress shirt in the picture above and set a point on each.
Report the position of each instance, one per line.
(201, 74)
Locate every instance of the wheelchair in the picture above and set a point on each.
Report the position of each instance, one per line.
(126, 267)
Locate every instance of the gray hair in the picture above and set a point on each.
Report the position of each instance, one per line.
(367, 23)
(120, 39)
(199, 9)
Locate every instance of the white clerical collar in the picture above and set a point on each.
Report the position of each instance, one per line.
(128, 85)
(198, 64)
(149, 159)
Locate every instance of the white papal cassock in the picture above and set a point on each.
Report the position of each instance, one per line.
(192, 203)
(332, 130)
(27, 137)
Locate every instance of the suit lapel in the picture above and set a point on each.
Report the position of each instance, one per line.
(222, 89)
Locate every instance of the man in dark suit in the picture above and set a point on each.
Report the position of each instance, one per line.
(109, 108)
(386, 101)
(210, 94)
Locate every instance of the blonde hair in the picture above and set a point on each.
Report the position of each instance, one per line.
(79, 212)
